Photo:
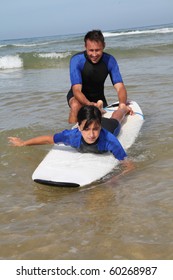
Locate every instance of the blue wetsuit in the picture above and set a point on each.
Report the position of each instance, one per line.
(92, 76)
(106, 142)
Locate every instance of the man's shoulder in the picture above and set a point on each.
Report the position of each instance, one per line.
(107, 57)
(78, 55)
(105, 54)
(78, 58)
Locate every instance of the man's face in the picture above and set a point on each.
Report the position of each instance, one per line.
(94, 50)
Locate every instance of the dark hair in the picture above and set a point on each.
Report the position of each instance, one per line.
(95, 35)
(89, 113)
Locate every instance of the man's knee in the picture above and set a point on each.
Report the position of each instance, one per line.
(74, 104)
(74, 108)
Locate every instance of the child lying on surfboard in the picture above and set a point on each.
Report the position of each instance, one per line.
(94, 133)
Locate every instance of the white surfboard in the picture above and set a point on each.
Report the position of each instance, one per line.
(65, 166)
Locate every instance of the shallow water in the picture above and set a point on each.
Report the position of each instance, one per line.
(125, 218)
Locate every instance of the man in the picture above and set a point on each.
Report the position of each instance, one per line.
(88, 72)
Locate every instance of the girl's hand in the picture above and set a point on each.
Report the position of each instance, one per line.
(128, 166)
(15, 141)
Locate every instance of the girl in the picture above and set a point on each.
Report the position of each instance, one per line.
(89, 136)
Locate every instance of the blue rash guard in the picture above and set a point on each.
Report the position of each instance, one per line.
(92, 76)
(106, 142)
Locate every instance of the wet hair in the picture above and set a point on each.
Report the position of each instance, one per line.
(94, 35)
(89, 113)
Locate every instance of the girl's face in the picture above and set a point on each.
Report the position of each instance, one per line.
(91, 133)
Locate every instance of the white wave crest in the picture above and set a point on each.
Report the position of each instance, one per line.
(138, 32)
(28, 45)
(54, 55)
(10, 62)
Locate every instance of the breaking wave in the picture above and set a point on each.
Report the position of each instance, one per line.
(34, 60)
(138, 32)
(10, 62)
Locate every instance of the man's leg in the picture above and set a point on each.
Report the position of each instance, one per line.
(74, 108)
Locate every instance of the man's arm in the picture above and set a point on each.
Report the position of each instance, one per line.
(122, 95)
(80, 97)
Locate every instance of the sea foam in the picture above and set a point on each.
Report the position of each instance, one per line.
(10, 62)
(54, 55)
(138, 32)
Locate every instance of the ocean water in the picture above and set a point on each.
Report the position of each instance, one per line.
(125, 218)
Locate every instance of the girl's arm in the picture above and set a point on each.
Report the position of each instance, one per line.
(127, 165)
(40, 140)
